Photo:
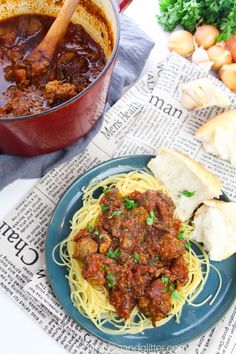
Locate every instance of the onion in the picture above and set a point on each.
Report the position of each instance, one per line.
(220, 56)
(231, 45)
(181, 42)
(205, 36)
(228, 76)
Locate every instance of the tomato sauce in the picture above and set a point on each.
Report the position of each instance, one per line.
(136, 251)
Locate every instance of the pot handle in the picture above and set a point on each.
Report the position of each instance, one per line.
(122, 4)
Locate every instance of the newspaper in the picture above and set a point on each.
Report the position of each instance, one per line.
(149, 115)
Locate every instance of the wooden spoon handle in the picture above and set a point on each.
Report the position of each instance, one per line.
(56, 32)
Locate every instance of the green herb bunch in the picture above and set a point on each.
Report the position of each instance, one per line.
(191, 13)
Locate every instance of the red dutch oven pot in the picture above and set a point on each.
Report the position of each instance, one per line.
(61, 126)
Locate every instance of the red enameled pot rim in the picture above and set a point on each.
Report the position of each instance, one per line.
(102, 73)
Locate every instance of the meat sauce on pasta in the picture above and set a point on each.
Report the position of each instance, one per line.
(136, 251)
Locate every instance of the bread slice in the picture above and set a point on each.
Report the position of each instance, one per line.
(219, 136)
(215, 226)
(189, 184)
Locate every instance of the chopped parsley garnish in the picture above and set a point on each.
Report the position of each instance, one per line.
(103, 207)
(110, 280)
(90, 228)
(115, 213)
(151, 218)
(180, 235)
(176, 295)
(163, 291)
(165, 279)
(188, 245)
(101, 236)
(113, 254)
(187, 194)
(130, 204)
(171, 288)
(136, 257)
(106, 190)
(104, 267)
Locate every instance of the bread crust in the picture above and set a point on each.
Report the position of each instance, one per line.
(209, 179)
(221, 121)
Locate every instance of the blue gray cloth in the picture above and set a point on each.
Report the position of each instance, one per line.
(135, 47)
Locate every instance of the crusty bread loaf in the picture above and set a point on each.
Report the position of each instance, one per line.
(189, 184)
(215, 226)
(219, 136)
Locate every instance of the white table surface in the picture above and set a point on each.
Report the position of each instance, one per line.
(19, 334)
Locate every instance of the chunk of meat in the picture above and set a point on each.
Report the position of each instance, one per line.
(70, 63)
(84, 247)
(66, 58)
(14, 54)
(133, 228)
(20, 75)
(28, 69)
(171, 247)
(157, 201)
(93, 270)
(8, 35)
(29, 26)
(124, 302)
(142, 277)
(37, 68)
(105, 243)
(156, 302)
(179, 271)
(57, 92)
(21, 102)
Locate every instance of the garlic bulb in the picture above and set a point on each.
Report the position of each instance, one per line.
(202, 93)
(201, 58)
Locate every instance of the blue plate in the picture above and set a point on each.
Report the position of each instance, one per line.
(194, 320)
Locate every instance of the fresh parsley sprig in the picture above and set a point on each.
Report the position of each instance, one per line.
(104, 207)
(116, 213)
(187, 194)
(130, 204)
(181, 236)
(99, 235)
(189, 13)
(136, 257)
(110, 279)
(90, 228)
(113, 254)
(106, 190)
(151, 218)
(176, 295)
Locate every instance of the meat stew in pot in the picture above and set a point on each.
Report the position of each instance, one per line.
(77, 62)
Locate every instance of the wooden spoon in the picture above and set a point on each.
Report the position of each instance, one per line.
(38, 61)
